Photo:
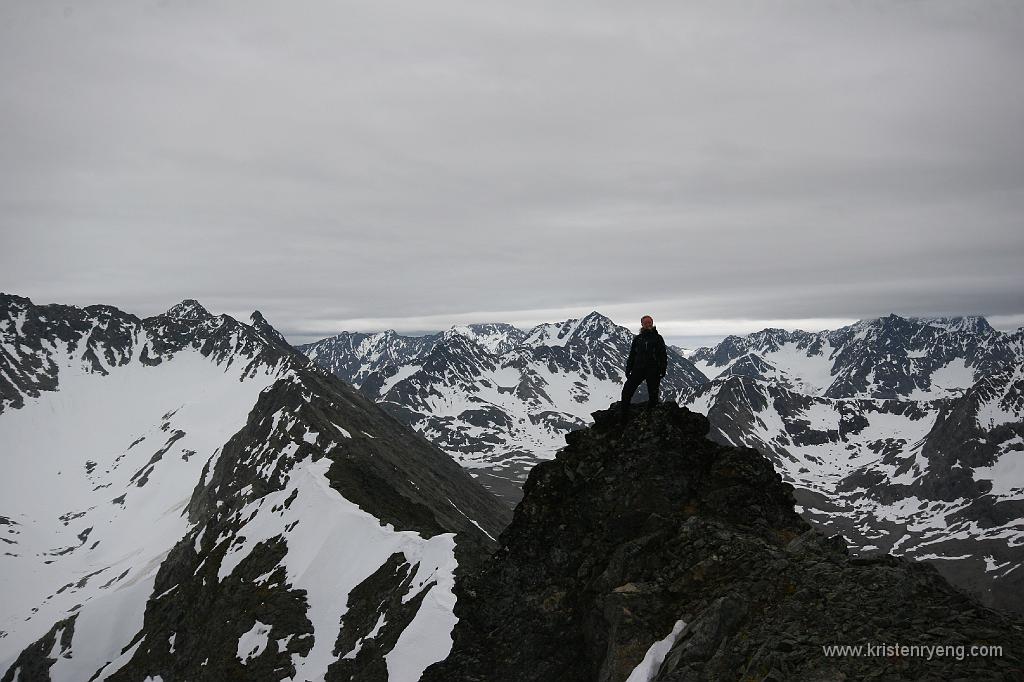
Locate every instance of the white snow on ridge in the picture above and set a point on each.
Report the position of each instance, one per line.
(572, 397)
(490, 338)
(992, 414)
(552, 334)
(333, 546)
(95, 439)
(403, 372)
(822, 416)
(954, 377)
(78, 507)
(1007, 472)
(708, 370)
(819, 467)
(810, 374)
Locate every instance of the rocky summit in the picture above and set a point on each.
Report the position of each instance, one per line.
(644, 551)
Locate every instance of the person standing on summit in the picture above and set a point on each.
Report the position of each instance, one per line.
(648, 361)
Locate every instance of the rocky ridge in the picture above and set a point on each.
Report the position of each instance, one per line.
(646, 551)
(36, 339)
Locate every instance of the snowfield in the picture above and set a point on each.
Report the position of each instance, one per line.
(114, 460)
(196, 437)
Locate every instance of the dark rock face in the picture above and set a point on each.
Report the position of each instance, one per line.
(354, 356)
(376, 617)
(34, 662)
(640, 530)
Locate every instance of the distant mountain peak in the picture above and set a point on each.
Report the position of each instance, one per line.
(975, 324)
(267, 330)
(189, 309)
(496, 337)
(488, 326)
(595, 316)
(455, 333)
(597, 321)
(562, 333)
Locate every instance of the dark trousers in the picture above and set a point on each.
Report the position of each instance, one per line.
(633, 381)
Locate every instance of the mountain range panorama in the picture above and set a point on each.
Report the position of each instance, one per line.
(220, 505)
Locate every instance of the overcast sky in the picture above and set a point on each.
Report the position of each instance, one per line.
(362, 165)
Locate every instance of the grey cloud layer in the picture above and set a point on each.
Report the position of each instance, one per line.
(333, 161)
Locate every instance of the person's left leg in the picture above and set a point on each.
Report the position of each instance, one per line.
(653, 386)
(633, 381)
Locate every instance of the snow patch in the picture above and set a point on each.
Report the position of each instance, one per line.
(655, 656)
(1007, 472)
(953, 377)
(254, 642)
(403, 372)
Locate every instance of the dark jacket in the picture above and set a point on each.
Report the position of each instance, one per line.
(647, 353)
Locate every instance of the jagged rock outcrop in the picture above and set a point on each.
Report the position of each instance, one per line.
(646, 544)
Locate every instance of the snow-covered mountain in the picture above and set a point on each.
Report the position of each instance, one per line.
(905, 435)
(497, 398)
(887, 358)
(185, 497)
